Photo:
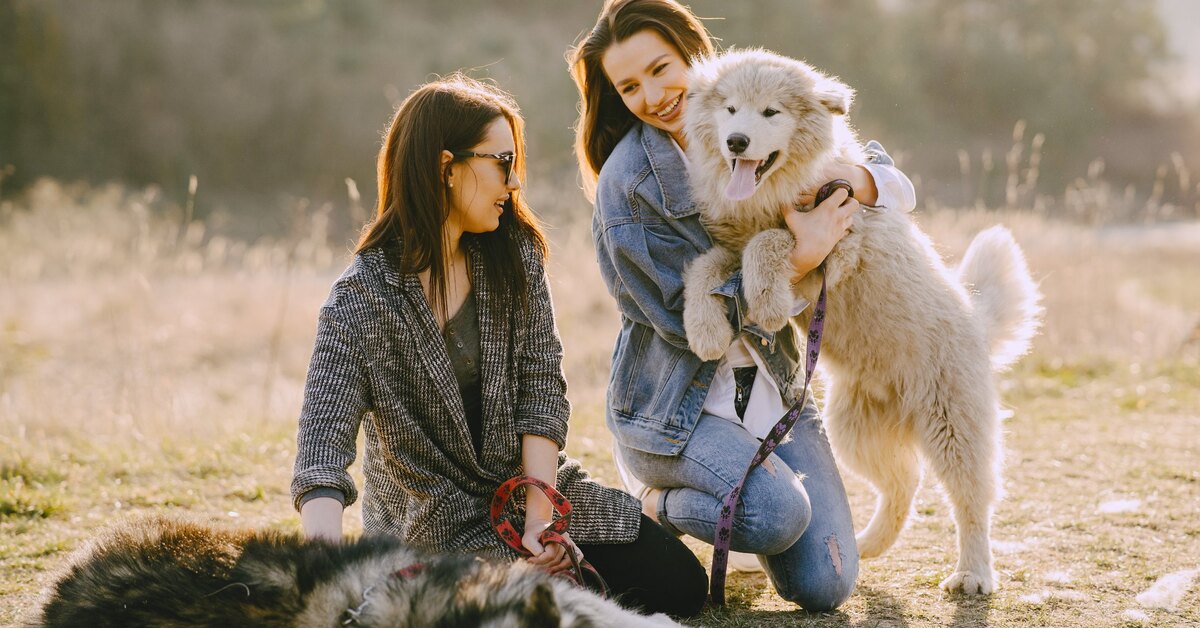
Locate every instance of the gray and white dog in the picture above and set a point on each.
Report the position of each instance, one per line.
(910, 345)
(171, 573)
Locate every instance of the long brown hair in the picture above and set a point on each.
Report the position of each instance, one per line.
(603, 117)
(452, 113)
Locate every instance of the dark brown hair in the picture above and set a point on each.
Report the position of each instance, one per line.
(603, 117)
(453, 114)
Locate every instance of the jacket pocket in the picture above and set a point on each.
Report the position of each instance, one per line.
(648, 381)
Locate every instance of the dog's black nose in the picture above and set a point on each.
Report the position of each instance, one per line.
(737, 143)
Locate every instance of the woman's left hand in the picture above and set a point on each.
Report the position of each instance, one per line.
(552, 557)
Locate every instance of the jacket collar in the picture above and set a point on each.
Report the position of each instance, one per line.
(376, 260)
(669, 170)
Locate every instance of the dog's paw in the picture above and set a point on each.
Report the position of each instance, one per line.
(769, 309)
(710, 345)
(708, 333)
(969, 583)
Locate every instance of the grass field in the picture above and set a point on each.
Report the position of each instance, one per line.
(151, 369)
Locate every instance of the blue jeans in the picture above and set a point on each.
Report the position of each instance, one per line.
(793, 510)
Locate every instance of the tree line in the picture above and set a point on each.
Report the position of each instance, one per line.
(270, 99)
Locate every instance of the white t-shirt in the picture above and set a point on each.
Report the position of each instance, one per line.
(765, 406)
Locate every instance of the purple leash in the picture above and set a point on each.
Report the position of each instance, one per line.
(724, 537)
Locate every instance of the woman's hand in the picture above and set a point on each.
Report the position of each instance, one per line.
(859, 177)
(552, 557)
(817, 231)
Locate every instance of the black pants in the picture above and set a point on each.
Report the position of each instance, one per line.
(657, 573)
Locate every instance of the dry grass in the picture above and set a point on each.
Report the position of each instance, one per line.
(146, 368)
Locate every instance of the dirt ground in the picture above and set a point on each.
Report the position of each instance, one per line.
(136, 380)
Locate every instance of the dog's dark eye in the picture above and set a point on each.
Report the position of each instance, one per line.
(731, 109)
(767, 113)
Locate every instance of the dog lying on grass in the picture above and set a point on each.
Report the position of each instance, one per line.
(909, 346)
(170, 573)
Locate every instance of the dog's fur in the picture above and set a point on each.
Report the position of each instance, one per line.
(170, 573)
(909, 345)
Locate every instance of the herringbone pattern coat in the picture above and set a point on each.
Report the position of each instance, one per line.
(380, 363)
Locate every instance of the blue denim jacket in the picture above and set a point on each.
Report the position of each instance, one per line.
(646, 230)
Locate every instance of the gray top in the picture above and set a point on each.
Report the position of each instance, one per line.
(461, 334)
(380, 363)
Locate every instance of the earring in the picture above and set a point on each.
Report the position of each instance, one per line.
(449, 185)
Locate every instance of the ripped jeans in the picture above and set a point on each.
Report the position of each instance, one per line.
(793, 510)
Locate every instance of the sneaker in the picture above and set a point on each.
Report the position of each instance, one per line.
(740, 561)
(633, 486)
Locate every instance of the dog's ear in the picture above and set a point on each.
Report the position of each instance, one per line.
(835, 96)
(702, 76)
(541, 610)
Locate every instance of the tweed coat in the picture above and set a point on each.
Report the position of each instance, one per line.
(380, 362)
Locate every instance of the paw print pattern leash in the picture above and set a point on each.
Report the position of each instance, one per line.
(724, 535)
(581, 570)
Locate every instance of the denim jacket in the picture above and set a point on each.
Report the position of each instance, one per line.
(646, 230)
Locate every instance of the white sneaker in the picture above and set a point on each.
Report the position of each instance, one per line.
(740, 561)
(633, 486)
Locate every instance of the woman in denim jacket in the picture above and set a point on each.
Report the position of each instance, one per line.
(684, 427)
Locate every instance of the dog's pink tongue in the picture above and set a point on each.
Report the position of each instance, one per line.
(741, 184)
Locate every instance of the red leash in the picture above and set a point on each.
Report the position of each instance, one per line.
(581, 570)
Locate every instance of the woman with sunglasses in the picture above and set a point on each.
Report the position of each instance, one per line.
(686, 429)
(439, 342)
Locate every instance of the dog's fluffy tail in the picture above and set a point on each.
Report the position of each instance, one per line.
(1004, 295)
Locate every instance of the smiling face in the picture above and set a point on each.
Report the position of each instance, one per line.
(651, 77)
(480, 192)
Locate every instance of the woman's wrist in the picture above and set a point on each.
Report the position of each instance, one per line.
(321, 518)
(798, 278)
(539, 459)
(863, 183)
(802, 265)
(538, 507)
(537, 524)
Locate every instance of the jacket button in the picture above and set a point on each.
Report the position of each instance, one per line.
(763, 341)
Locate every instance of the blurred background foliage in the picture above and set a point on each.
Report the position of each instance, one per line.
(985, 102)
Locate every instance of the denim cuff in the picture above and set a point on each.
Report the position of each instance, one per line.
(661, 514)
(735, 301)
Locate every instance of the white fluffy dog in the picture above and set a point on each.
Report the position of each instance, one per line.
(910, 345)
